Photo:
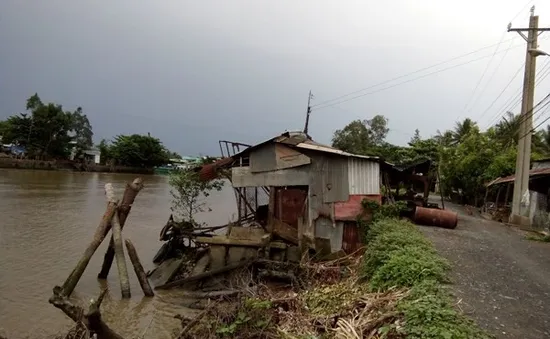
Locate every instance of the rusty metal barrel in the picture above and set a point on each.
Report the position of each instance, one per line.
(435, 217)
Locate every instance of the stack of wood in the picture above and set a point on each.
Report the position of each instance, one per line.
(113, 219)
(216, 258)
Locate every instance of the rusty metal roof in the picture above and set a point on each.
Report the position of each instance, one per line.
(210, 171)
(532, 173)
(301, 140)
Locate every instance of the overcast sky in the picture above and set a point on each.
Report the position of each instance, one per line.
(194, 72)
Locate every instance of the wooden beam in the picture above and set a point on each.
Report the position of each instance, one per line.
(223, 240)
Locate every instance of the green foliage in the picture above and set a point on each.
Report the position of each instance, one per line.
(136, 151)
(189, 193)
(252, 317)
(429, 314)
(383, 211)
(382, 247)
(47, 129)
(399, 256)
(408, 267)
(361, 137)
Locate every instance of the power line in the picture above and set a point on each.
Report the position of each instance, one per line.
(410, 80)
(489, 81)
(484, 72)
(502, 92)
(411, 73)
(515, 100)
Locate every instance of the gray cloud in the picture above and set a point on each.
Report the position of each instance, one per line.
(194, 72)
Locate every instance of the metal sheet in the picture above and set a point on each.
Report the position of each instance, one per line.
(242, 177)
(351, 241)
(335, 178)
(363, 176)
(325, 229)
(290, 205)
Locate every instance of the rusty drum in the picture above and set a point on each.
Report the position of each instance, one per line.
(435, 217)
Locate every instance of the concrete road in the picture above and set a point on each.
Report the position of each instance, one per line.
(500, 279)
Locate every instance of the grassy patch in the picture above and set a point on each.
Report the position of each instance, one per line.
(398, 256)
(538, 237)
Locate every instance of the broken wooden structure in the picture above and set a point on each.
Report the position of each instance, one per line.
(113, 219)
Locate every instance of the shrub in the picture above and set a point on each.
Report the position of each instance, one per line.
(383, 246)
(387, 225)
(408, 267)
(428, 314)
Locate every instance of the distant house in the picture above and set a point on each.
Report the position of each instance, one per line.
(92, 155)
(314, 191)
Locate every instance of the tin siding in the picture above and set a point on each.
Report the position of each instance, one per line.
(364, 176)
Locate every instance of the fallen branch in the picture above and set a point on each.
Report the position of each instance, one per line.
(120, 260)
(128, 199)
(204, 275)
(91, 319)
(138, 268)
(100, 234)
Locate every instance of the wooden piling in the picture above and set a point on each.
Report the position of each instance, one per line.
(120, 260)
(100, 234)
(138, 268)
(128, 199)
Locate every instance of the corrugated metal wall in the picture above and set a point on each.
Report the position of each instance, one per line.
(363, 176)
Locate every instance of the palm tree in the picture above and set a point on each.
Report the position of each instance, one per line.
(542, 140)
(462, 129)
(507, 129)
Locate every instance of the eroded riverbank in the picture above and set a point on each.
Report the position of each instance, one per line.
(47, 219)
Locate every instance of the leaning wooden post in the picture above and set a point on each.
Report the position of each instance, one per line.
(120, 260)
(100, 234)
(128, 198)
(138, 268)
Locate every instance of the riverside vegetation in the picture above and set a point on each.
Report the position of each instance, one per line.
(398, 288)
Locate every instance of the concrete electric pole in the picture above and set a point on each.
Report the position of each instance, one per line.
(308, 112)
(523, 161)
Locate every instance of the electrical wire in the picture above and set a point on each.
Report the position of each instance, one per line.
(484, 72)
(410, 80)
(489, 81)
(510, 104)
(411, 73)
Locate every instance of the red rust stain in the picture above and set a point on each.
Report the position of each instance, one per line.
(289, 205)
(349, 210)
(351, 241)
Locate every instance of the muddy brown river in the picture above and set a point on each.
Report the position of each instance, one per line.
(46, 221)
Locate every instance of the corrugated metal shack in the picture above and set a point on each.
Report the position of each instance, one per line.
(315, 191)
(536, 211)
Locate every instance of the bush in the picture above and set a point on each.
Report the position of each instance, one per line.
(387, 225)
(428, 314)
(409, 267)
(399, 256)
(383, 246)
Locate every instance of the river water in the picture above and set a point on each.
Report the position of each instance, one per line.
(46, 221)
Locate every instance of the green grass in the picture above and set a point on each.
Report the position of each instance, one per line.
(398, 256)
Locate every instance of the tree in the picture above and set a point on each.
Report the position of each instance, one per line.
(416, 137)
(189, 194)
(47, 130)
(174, 155)
(362, 137)
(462, 129)
(137, 151)
(82, 130)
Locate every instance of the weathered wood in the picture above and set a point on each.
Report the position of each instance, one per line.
(242, 177)
(128, 198)
(211, 294)
(204, 275)
(91, 319)
(165, 271)
(284, 231)
(223, 240)
(138, 268)
(100, 234)
(120, 260)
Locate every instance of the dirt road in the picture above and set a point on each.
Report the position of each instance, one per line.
(500, 279)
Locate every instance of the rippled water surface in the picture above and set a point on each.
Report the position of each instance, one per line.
(46, 221)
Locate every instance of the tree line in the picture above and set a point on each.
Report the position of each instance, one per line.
(465, 156)
(47, 132)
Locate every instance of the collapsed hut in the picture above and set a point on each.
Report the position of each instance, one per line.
(302, 191)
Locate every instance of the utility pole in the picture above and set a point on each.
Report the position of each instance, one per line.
(523, 160)
(308, 112)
